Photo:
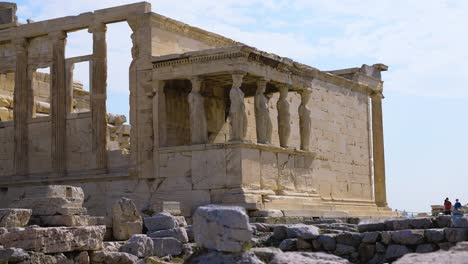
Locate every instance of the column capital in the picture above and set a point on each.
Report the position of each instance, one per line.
(196, 83)
(261, 85)
(237, 78)
(97, 28)
(377, 95)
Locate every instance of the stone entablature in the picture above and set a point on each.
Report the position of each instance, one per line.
(308, 135)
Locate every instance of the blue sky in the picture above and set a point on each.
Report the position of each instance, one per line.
(423, 43)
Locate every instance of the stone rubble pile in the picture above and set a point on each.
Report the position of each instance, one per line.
(126, 220)
(56, 205)
(118, 134)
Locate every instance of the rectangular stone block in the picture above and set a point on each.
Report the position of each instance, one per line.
(250, 159)
(64, 220)
(269, 170)
(208, 169)
(54, 239)
(286, 172)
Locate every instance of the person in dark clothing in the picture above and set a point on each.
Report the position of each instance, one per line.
(457, 205)
(447, 206)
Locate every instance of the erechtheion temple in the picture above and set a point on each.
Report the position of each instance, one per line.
(212, 121)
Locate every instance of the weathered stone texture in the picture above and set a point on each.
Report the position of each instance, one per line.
(14, 217)
(54, 239)
(126, 220)
(221, 228)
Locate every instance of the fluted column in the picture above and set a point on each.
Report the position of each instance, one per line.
(305, 119)
(58, 99)
(262, 114)
(22, 107)
(99, 94)
(284, 116)
(198, 125)
(378, 151)
(237, 114)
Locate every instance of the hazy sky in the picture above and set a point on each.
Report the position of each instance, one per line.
(424, 43)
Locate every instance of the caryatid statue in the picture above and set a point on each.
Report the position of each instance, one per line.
(262, 115)
(284, 117)
(198, 126)
(305, 119)
(237, 114)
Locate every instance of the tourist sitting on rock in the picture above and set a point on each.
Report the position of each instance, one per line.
(447, 206)
(457, 205)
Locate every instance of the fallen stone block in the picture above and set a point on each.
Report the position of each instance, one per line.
(426, 248)
(104, 257)
(395, 251)
(371, 226)
(224, 228)
(267, 213)
(160, 221)
(54, 239)
(408, 237)
(456, 234)
(442, 221)
(343, 250)
(349, 238)
(138, 245)
(370, 237)
(266, 254)
(178, 233)
(408, 223)
(460, 222)
(307, 258)
(13, 255)
(327, 242)
(434, 235)
(280, 232)
(64, 220)
(126, 220)
(302, 231)
(289, 244)
(11, 217)
(165, 246)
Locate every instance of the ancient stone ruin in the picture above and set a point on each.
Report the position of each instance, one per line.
(212, 121)
(231, 154)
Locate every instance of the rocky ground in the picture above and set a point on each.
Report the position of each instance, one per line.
(52, 227)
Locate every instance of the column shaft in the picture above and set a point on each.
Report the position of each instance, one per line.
(378, 151)
(58, 99)
(99, 94)
(22, 107)
(284, 117)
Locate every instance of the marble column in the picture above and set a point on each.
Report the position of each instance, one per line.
(58, 99)
(22, 107)
(198, 125)
(262, 114)
(305, 119)
(69, 68)
(284, 116)
(99, 94)
(378, 151)
(237, 114)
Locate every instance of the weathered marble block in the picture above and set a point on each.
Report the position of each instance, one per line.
(54, 239)
(14, 217)
(224, 228)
